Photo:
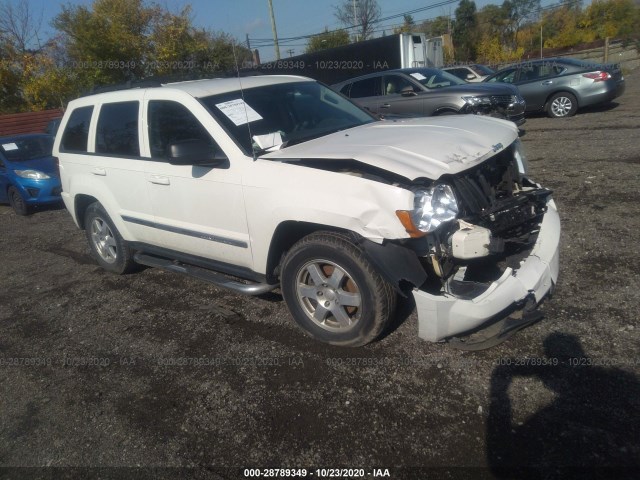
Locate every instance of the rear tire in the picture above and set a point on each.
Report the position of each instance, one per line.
(333, 292)
(106, 244)
(17, 202)
(561, 105)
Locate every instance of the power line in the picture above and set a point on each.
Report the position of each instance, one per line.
(265, 42)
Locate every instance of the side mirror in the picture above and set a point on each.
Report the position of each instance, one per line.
(470, 76)
(407, 92)
(195, 152)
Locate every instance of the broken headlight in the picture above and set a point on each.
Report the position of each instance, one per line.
(520, 158)
(476, 101)
(433, 207)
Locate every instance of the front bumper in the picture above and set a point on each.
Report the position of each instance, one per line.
(39, 192)
(444, 315)
(515, 111)
(517, 119)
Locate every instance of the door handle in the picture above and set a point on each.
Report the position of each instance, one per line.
(159, 180)
(547, 82)
(385, 105)
(99, 171)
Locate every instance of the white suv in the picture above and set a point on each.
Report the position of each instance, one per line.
(277, 181)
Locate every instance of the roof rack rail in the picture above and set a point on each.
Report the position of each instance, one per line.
(159, 80)
(147, 83)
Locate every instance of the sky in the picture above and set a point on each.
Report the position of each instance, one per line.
(251, 17)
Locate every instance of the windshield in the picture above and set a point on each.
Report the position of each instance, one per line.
(434, 78)
(21, 149)
(279, 115)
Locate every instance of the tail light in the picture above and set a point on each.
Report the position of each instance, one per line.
(598, 76)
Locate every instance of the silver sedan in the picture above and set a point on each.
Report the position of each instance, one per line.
(560, 86)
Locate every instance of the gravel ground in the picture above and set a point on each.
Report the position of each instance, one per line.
(97, 385)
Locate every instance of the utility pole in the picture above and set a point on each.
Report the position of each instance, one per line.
(355, 17)
(540, 40)
(290, 52)
(273, 28)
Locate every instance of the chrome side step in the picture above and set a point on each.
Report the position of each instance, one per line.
(203, 274)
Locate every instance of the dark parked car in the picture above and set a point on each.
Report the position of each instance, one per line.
(560, 86)
(429, 91)
(28, 173)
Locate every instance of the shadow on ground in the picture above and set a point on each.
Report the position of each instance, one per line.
(591, 429)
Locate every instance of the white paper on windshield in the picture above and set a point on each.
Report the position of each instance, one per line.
(9, 146)
(268, 140)
(418, 76)
(238, 112)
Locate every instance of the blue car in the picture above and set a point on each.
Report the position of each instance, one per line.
(28, 173)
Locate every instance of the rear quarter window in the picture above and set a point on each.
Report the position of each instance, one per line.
(76, 134)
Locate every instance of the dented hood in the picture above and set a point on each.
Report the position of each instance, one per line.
(416, 147)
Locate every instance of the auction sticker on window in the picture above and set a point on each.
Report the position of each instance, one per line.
(238, 111)
(7, 147)
(418, 76)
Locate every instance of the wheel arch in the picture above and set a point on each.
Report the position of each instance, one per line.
(285, 235)
(398, 264)
(81, 203)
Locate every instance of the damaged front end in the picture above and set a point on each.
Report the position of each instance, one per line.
(490, 236)
(509, 107)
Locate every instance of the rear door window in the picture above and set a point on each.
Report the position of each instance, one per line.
(117, 132)
(369, 87)
(76, 134)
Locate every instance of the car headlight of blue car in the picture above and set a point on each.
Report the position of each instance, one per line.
(32, 174)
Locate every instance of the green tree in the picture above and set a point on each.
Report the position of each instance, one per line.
(109, 41)
(435, 27)
(612, 18)
(327, 39)
(10, 77)
(493, 22)
(465, 31)
(118, 40)
(561, 28)
(518, 13)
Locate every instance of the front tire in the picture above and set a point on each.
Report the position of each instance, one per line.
(333, 292)
(17, 202)
(107, 245)
(561, 105)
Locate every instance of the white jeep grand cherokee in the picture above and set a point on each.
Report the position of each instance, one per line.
(277, 181)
